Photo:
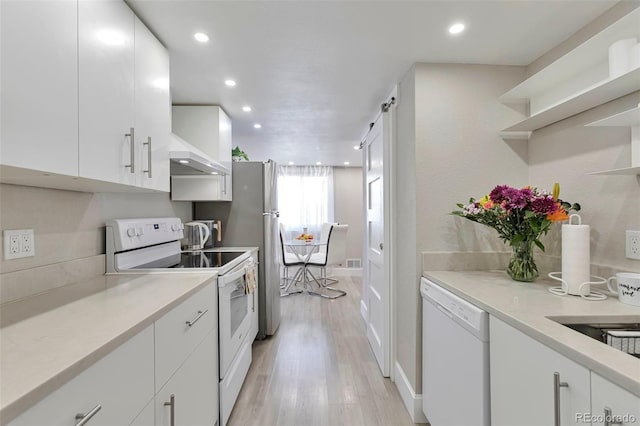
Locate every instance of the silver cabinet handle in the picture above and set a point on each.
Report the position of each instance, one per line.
(148, 143)
(608, 418)
(557, 384)
(172, 413)
(82, 419)
(195, 320)
(132, 138)
(224, 184)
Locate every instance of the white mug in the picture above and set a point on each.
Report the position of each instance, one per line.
(628, 288)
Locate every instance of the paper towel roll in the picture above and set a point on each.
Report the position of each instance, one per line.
(576, 257)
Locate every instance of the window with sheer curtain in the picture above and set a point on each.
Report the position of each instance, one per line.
(305, 198)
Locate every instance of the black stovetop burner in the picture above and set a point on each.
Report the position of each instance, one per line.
(194, 259)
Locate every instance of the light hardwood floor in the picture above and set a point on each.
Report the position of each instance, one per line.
(318, 369)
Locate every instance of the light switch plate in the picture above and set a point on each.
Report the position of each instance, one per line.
(19, 243)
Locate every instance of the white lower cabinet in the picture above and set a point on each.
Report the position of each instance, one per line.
(134, 384)
(611, 404)
(121, 384)
(190, 397)
(186, 342)
(532, 384)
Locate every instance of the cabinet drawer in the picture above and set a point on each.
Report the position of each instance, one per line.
(121, 382)
(611, 402)
(175, 339)
(194, 388)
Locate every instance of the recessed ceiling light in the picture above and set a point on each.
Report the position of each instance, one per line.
(257, 126)
(246, 108)
(183, 161)
(214, 173)
(356, 147)
(456, 28)
(346, 163)
(230, 83)
(318, 163)
(201, 37)
(291, 163)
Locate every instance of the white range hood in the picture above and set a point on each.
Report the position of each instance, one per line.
(187, 160)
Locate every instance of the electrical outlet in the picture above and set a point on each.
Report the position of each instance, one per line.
(18, 243)
(632, 245)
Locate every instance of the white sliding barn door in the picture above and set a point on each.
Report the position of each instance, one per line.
(376, 291)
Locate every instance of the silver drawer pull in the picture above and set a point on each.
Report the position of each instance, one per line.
(609, 418)
(557, 384)
(172, 412)
(200, 314)
(82, 419)
(132, 137)
(148, 144)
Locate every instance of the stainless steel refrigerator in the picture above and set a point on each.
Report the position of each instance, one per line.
(251, 219)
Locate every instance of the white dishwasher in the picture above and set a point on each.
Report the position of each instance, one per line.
(455, 359)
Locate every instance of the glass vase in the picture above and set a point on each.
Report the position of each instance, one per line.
(521, 266)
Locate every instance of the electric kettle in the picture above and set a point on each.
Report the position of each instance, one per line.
(196, 235)
(215, 232)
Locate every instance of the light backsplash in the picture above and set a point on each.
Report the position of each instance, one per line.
(68, 226)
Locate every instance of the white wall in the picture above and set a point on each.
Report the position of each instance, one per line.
(347, 192)
(450, 144)
(565, 152)
(69, 225)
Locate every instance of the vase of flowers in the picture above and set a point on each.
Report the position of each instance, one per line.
(521, 217)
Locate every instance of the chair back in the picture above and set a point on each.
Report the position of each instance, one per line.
(337, 245)
(282, 255)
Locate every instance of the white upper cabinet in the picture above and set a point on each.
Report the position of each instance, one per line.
(39, 85)
(583, 78)
(153, 109)
(85, 94)
(207, 128)
(106, 89)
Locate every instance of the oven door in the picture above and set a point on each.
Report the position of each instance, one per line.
(235, 310)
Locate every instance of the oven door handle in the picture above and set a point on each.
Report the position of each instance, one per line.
(223, 280)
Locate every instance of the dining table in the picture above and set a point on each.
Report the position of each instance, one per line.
(303, 250)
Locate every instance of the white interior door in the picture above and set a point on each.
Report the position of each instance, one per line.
(376, 277)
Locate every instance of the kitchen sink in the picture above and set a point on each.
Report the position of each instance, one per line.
(622, 336)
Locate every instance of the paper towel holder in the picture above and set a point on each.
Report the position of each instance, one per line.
(563, 290)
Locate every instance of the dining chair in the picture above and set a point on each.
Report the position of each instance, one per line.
(335, 255)
(287, 260)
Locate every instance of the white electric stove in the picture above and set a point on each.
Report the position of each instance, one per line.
(152, 245)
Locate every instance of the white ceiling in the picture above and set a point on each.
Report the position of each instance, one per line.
(316, 72)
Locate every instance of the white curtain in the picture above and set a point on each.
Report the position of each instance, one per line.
(305, 198)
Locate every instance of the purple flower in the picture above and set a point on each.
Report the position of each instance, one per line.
(543, 205)
(497, 194)
(515, 199)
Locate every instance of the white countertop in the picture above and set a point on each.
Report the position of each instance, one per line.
(47, 339)
(528, 307)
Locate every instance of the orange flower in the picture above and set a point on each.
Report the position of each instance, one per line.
(558, 216)
(486, 202)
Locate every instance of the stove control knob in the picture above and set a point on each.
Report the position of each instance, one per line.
(139, 231)
(131, 232)
(174, 227)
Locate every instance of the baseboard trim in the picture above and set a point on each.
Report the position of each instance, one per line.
(411, 400)
(347, 272)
